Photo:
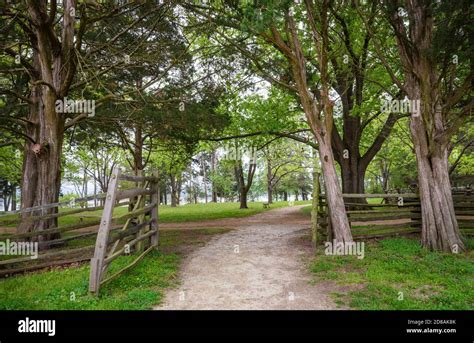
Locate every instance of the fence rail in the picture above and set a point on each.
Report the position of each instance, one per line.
(55, 243)
(402, 216)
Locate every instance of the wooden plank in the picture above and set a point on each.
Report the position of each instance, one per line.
(398, 233)
(382, 218)
(43, 265)
(155, 199)
(135, 213)
(52, 215)
(382, 195)
(130, 244)
(65, 239)
(129, 231)
(59, 229)
(136, 178)
(49, 255)
(376, 226)
(103, 234)
(394, 211)
(406, 205)
(53, 205)
(131, 193)
(141, 218)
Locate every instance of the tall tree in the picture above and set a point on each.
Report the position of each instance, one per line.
(52, 42)
(281, 53)
(436, 54)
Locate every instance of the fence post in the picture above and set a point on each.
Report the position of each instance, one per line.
(155, 198)
(141, 218)
(314, 210)
(103, 234)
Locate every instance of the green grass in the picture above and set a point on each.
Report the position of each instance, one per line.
(138, 289)
(427, 280)
(183, 213)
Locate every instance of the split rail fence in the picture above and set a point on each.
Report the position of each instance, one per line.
(100, 238)
(397, 214)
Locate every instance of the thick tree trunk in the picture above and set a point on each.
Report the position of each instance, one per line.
(320, 115)
(54, 63)
(353, 177)
(440, 229)
(41, 178)
(432, 122)
(340, 223)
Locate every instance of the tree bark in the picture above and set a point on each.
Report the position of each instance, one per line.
(244, 186)
(429, 126)
(41, 176)
(213, 170)
(439, 230)
(269, 181)
(54, 65)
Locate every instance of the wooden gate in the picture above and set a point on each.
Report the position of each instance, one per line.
(139, 234)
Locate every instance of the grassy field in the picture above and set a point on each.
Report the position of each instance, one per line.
(138, 289)
(183, 213)
(397, 274)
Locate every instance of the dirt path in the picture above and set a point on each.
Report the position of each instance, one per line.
(259, 265)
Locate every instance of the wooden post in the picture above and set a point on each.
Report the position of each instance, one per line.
(155, 198)
(103, 235)
(314, 210)
(141, 218)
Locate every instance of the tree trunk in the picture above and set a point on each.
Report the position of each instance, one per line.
(243, 199)
(213, 170)
(174, 190)
(440, 229)
(13, 198)
(204, 177)
(54, 63)
(243, 186)
(340, 223)
(41, 177)
(269, 182)
(431, 124)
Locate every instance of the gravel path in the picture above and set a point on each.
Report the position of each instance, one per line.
(259, 265)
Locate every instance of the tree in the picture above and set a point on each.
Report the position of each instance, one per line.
(273, 27)
(428, 35)
(357, 77)
(52, 42)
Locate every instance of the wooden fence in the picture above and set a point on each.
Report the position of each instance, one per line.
(74, 241)
(138, 234)
(391, 214)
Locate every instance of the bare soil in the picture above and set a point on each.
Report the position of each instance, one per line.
(260, 265)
